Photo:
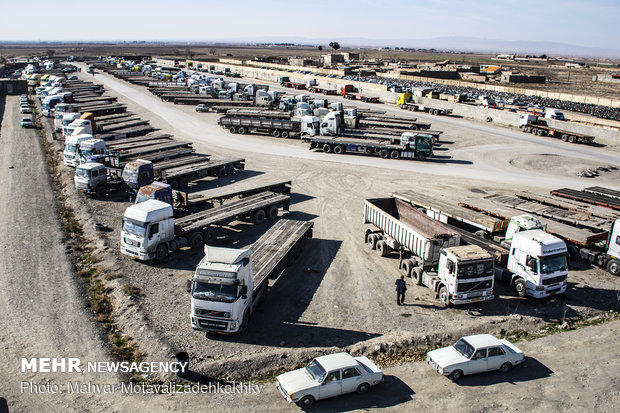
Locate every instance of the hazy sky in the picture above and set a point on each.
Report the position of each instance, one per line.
(592, 23)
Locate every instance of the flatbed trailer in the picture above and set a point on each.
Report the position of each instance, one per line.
(285, 128)
(385, 135)
(384, 149)
(178, 176)
(433, 110)
(360, 97)
(99, 110)
(566, 136)
(121, 155)
(111, 127)
(114, 116)
(593, 196)
(126, 133)
(413, 125)
(325, 91)
(97, 99)
(196, 99)
(257, 113)
(116, 121)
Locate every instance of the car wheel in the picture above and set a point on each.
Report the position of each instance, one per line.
(505, 368)
(306, 401)
(456, 375)
(362, 388)
(520, 287)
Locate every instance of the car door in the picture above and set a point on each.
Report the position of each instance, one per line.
(351, 379)
(331, 386)
(478, 362)
(496, 357)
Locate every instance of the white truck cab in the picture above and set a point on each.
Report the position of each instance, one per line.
(80, 126)
(145, 226)
(526, 119)
(91, 178)
(91, 150)
(538, 264)
(67, 119)
(70, 153)
(554, 114)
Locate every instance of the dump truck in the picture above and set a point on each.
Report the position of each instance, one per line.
(150, 230)
(277, 127)
(186, 202)
(229, 284)
(529, 123)
(410, 146)
(429, 252)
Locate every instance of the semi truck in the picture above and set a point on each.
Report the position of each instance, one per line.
(410, 146)
(70, 152)
(429, 252)
(405, 101)
(184, 202)
(91, 178)
(150, 230)
(529, 123)
(277, 127)
(229, 284)
(535, 261)
(177, 172)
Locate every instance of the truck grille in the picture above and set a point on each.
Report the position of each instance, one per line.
(212, 324)
(132, 242)
(554, 280)
(218, 314)
(473, 286)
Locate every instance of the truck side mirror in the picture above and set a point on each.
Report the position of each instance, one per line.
(188, 286)
(244, 292)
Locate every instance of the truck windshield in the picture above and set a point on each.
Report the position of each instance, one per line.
(464, 348)
(475, 269)
(84, 153)
(130, 176)
(82, 173)
(553, 263)
(69, 147)
(316, 371)
(215, 292)
(140, 197)
(134, 227)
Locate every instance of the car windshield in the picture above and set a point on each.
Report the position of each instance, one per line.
(553, 263)
(464, 348)
(215, 292)
(475, 269)
(316, 371)
(82, 173)
(134, 227)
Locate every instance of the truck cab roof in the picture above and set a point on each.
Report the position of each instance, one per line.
(149, 211)
(538, 242)
(467, 253)
(90, 166)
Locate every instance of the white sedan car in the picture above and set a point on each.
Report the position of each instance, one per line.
(328, 376)
(475, 354)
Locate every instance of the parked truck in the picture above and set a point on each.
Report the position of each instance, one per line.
(285, 128)
(91, 178)
(410, 146)
(405, 101)
(536, 126)
(429, 252)
(150, 230)
(229, 284)
(70, 152)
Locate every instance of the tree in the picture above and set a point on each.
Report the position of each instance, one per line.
(320, 47)
(190, 53)
(212, 51)
(334, 45)
(50, 52)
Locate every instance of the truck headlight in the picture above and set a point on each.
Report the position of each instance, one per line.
(233, 326)
(193, 321)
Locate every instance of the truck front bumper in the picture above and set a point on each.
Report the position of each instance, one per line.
(135, 253)
(548, 292)
(212, 325)
(459, 301)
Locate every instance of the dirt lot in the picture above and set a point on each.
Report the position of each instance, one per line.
(340, 293)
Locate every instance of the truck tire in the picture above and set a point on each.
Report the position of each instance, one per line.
(395, 154)
(275, 133)
(339, 149)
(241, 130)
(174, 184)
(161, 253)
(285, 134)
(100, 191)
(272, 212)
(384, 153)
(209, 235)
(312, 145)
(420, 156)
(416, 275)
(183, 182)
(220, 173)
(383, 248)
(258, 217)
(232, 129)
(414, 127)
(196, 241)
(533, 131)
(564, 137)
(230, 169)
(372, 241)
(613, 266)
(572, 251)
(572, 139)
(519, 286)
(405, 268)
(540, 132)
(444, 297)
(327, 148)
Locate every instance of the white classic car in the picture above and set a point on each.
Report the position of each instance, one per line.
(475, 354)
(328, 376)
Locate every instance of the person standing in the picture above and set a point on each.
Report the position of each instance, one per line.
(401, 287)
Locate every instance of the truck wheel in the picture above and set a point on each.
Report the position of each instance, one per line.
(533, 131)
(174, 184)
(100, 191)
(384, 153)
(221, 172)
(183, 182)
(272, 212)
(540, 132)
(394, 154)
(196, 241)
(613, 267)
(456, 375)
(312, 145)
(372, 241)
(519, 285)
(416, 275)
(572, 252)
(405, 268)
(232, 129)
(241, 130)
(414, 127)
(482, 234)
(327, 148)
(444, 297)
(505, 368)
(276, 133)
(564, 138)
(245, 322)
(258, 217)
(362, 388)
(209, 235)
(338, 149)
(572, 139)
(230, 170)
(285, 134)
(420, 156)
(161, 253)
(383, 248)
(306, 401)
